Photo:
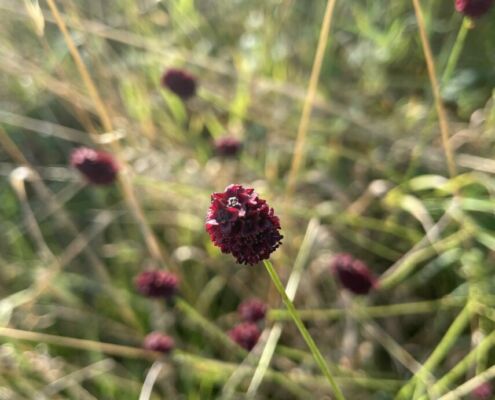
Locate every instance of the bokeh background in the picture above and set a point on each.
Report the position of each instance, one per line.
(373, 182)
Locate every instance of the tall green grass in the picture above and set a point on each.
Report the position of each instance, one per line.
(370, 177)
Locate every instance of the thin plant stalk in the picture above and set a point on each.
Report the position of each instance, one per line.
(392, 310)
(291, 289)
(435, 86)
(439, 353)
(318, 357)
(154, 248)
(456, 50)
(462, 366)
(302, 129)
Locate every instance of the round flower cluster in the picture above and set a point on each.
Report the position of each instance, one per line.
(353, 274)
(180, 82)
(160, 342)
(228, 146)
(483, 392)
(252, 310)
(245, 334)
(157, 283)
(98, 167)
(473, 8)
(242, 224)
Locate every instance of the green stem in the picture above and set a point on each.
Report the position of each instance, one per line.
(320, 361)
(456, 50)
(329, 314)
(404, 267)
(451, 377)
(439, 353)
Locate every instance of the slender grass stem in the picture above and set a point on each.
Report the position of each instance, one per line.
(291, 289)
(154, 248)
(393, 310)
(448, 380)
(435, 86)
(302, 129)
(456, 50)
(318, 357)
(439, 353)
(470, 385)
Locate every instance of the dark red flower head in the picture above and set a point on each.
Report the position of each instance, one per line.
(252, 310)
(473, 8)
(157, 341)
(245, 335)
(98, 167)
(157, 283)
(241, 223)
(228, 146)
(181, 82)
(483, 392)
(353, 274)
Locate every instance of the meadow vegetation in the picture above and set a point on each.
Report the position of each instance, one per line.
(367, 125)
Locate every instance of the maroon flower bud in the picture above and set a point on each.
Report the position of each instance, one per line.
(157, 283)
(228, 146)
(98, 167)
(182, 83)
(241, 223)
(473, 8)
(245, 335)
(353, 274)
(252, 310)
(483, 392)
(157, 341)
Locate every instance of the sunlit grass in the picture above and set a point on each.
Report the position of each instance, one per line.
(342, 139)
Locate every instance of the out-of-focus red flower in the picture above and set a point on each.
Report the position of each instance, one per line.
(157, 341)
(252, 310)
(157, 283)
(180, 82)
(98, 167)
(245, 335)
(483, 392)
(228, 146)
(354, 275)
(473, 8)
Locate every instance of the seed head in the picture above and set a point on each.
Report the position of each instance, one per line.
(228, 146)
(98, 167)
(473, 8)
(180, 82)
(483, 392)
(157, 341)
(245, 335)
(241, 223)
(157, 283)
(354, 275)
(252, 310)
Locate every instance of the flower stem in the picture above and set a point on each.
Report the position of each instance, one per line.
(435, 86)
(456, 50)
(320, 361)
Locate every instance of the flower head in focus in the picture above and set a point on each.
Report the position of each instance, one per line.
(242, 224)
